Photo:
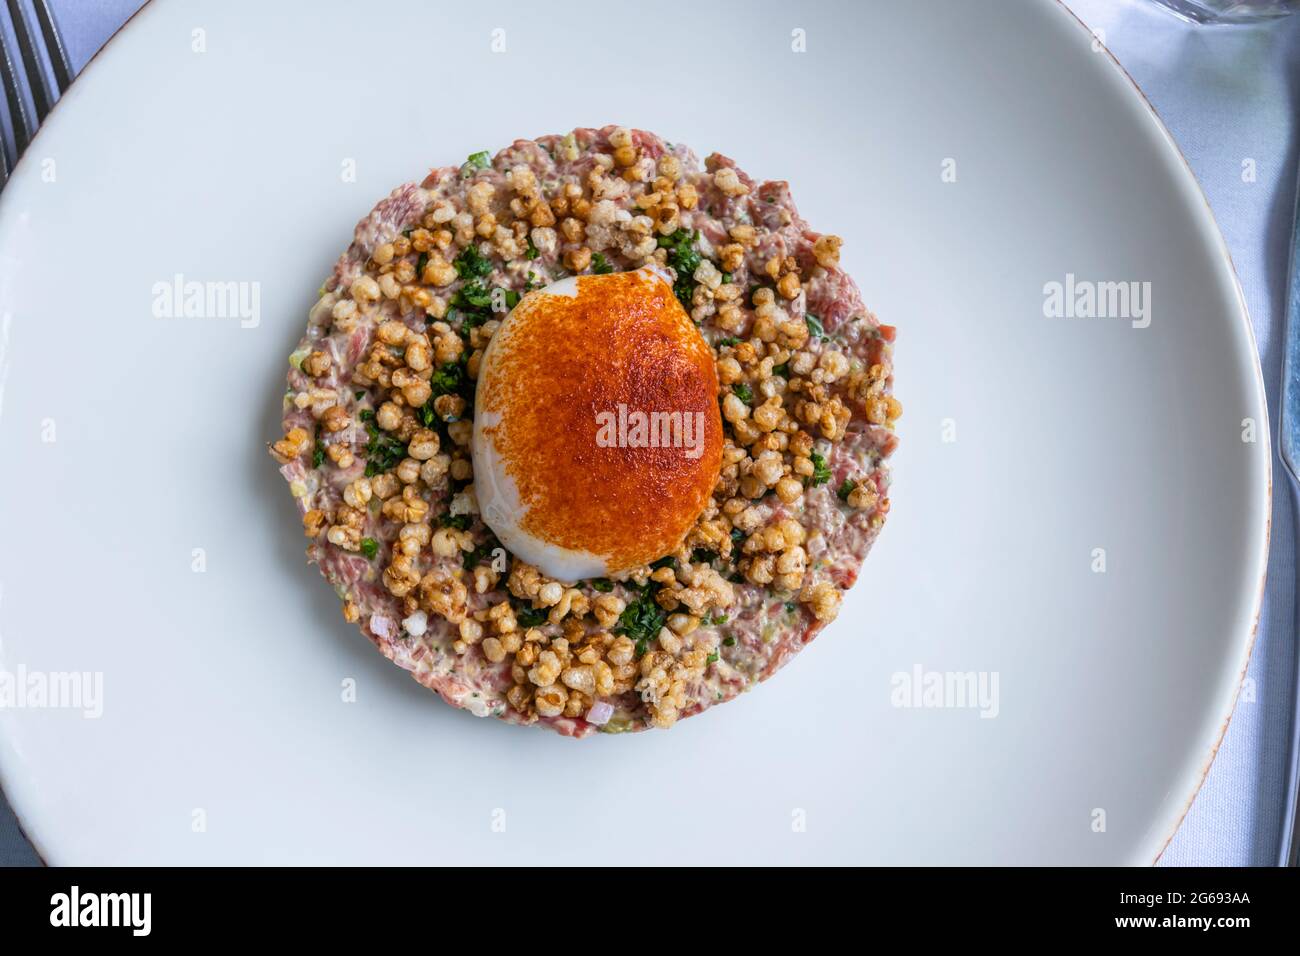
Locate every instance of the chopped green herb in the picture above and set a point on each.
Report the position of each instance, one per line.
(604, 585)
(481, 553)
(369, 547)
(407, 232)
(737, 537)
(815, 328)
(359, 395)
(821, 471)
(703, 556)
(712, 658)
(783, 369)
(446, 379)
(459, 522)
(684, 259)
(472, 303)
(846, 489)
(318, 452)
(728, 642)
(421, 261)
(600, 265)
(383, 452)
(642, 619)
(471, 263)
(667, 561)
(531, 283)
(729, 340)
(726, 278)
(743, 392)
(791, 607)
(530, 616)
(533, 251)
(512, 298)
(715, 620)
(479, 160)
(472, 296)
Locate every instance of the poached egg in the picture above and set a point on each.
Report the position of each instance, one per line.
(597, 435)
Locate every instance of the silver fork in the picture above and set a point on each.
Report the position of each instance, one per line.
(45, 68)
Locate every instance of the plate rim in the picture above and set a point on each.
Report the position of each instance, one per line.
(1266, 442)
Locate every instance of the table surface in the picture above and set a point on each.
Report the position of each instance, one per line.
(1228, 96)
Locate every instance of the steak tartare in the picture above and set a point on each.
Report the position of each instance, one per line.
(379, 414)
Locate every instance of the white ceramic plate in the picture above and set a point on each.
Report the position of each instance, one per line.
(129, 441)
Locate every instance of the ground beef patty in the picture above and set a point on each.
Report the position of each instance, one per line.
(378, 417)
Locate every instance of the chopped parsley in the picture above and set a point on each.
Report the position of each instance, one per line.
(712, 658)
(667, 561)
(532, 252)
(737, 537)
(530, 616)
(421, 261)
(471, 558)
(383, 452)
(815, 327)
(447, 379)
(478, 160)
(369, 547)
(459, 522)
(791, 607)
(530, 284)
(450, 378)
(318, 452)
(846, 489)
(729, 340)
(472, 296)
(604, 585)
(642, 619)
(728, 642)
(685, 259)
(783, 369)
(600, 265)
(743, 392)
(821, 471)
(471, 263)
(714, 621)
(472, 303)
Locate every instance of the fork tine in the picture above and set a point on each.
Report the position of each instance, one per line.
(18, 117)
(37, 81)
(54, 48)
(4, 165)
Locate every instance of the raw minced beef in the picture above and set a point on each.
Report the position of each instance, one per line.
(377, 415)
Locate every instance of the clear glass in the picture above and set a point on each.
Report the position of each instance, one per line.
(1230, 11)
